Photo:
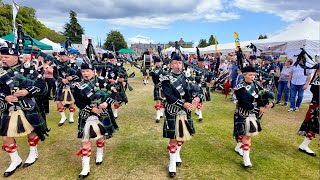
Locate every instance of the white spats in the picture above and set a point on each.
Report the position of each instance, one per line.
(158, 114)
(85, 166)
(63, 118)
(33, 155)
(304, 147)
(200, 115)
(15, 161)
(246, 156)
(115, 113)
(238, 149)
(99, 156)
(71, 120)
(172, 163)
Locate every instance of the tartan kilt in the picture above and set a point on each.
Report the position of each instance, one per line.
(59, 94)
(34, 117)
(157, 94)
(239, 128)
(104, 119)
(206, 93)
(169, 125)
(311, 121)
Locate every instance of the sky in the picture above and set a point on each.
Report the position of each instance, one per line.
(161, 21)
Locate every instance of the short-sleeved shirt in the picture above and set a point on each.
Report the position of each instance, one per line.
(298, 77)
(284, 74)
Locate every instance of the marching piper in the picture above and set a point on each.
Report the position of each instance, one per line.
(92, 99)
(252, 102)
(157, 91)
(19, 112)
(181, 99)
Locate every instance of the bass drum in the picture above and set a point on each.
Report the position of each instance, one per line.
(147, 62)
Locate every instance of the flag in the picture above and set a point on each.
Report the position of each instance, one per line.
(15, 9)
(236, 39)
(216, 45)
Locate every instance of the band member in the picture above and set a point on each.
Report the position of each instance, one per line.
(181, 99)
(157, 91)
(19, 111)
(205, 79)
(144, 70)
(253, 101)
(65, 75)
(310, 125)
(92, 99)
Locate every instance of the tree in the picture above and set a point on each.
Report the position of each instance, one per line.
(261, 36)
(27, 18)
(73, 29)
(212, 40)
(117, 38)
(203, 43)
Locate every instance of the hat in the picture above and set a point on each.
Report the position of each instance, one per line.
(111, 56)
(9, 51)
(176, 57)
(200, 59)
(276, 57)
(86, 66)
(156, 59)
(253, 57)
(62, 53)
(269, 58)
(172, 54)
(248, 69)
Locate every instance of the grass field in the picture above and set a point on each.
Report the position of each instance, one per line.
(138, 151)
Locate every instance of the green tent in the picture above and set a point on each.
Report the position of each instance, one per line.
(128, 51)
(42, 46)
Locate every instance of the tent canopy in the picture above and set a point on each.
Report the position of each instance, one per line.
(42, 46)
(55, 46)
(128, 51)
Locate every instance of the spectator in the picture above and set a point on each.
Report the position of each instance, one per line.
(283, 81)
(278, 69)
(297, 83)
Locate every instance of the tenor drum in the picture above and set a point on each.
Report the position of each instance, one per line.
(147, 62)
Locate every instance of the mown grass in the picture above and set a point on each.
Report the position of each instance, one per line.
(138, 151)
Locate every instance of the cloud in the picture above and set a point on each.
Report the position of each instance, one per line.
(131, 13)
(293, 10)
(140, 39)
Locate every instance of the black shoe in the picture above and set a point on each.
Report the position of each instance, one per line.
(200, 119)
(71, 122)
(161, 116)
(84, 176)
(25, 165)
(98, 163)
(178, 164)
(7, 174)
(60, 124)
(248, 166)
(311, 154)
(157, 120)
(172, 174)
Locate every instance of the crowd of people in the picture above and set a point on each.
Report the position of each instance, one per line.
(182, 84)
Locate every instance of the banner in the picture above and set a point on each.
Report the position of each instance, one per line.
(15, 9)
(236, 39)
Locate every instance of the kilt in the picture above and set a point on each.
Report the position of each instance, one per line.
(157, 93)
(169, 125)
(34, 118)
(105, 120)
(206, 93)
(240, 128)
(59, 94)
(311, 121)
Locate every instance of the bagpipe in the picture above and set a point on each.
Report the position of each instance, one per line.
(192, 87)
(302, 61)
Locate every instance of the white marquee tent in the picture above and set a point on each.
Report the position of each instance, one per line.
(56, 47)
